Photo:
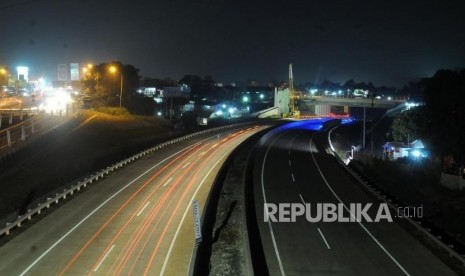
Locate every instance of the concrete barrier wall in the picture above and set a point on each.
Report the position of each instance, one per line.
(270, 112)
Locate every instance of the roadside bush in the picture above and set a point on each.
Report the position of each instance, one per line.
(114, 111)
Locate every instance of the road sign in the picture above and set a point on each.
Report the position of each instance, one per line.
(197, 226)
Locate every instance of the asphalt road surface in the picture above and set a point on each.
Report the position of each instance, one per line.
(138, 221)
(293, 166)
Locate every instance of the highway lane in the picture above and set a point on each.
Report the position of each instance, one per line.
(293, 166)
(138, 221)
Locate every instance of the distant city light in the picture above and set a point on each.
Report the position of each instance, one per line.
(245, 99)
(262, 96)
(57, 101)
(23, 72)
(416, 153)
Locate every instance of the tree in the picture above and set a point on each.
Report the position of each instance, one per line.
(445, 112)
(408, 126)
(350, 84)
(104, 87)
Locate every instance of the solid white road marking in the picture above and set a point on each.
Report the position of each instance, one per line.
(293, 178)
(323, 237)
(185, 165)
(169, 180)
(278, 257)
(104, 257)
(359, 223)
(145, 206)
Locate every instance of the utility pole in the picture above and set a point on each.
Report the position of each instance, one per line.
(364, 125)
(171, 109)
(291, 91)
(372, 122)
(121, 91)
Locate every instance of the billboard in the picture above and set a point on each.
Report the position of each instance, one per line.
(62, 72)
(23, 73)
(74, 71)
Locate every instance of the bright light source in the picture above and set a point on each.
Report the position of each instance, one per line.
(262, 96)
(159, 113)
(57, 102)
(389, 98)
(231, 110)
(245, 99)
(219, 113)
(113, 69)
(23, 72)
(416, 153)
(224, 106)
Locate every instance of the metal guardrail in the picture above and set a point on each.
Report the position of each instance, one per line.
(25, 132)
(16, 220)
(22, 134)
(416, 225)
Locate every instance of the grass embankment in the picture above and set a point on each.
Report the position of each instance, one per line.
(413, 184)
(92, 142)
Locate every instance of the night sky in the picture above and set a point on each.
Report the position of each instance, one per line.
(386, 42)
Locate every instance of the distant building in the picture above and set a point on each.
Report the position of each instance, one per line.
(394, 150)
(62, 72)
(23, 73)
(74, 71)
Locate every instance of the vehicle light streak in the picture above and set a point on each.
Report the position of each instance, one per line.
(76, 256)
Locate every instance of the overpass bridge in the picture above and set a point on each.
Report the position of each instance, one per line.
(353, 101)
(323, 105)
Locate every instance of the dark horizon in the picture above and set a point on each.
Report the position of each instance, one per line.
(386, 44)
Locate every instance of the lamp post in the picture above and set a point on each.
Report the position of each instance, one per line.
(113, 70)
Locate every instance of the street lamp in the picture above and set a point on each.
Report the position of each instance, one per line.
(113, 70)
